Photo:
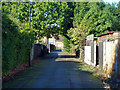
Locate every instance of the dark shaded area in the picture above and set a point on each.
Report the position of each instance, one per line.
(77, 53)
(113, 82)
(40, 50)
(67, 56)
(97, 56)
(59, 50)
(52, 55)
(52, 47)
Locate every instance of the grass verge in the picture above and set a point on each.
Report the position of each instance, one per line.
(96, 72)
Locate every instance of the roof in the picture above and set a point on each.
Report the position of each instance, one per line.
(111, 32)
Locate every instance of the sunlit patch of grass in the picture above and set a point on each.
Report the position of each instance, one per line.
(86, 68)
(96, 73)
(94, 77)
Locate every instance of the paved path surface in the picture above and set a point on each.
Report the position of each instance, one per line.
(56, 70)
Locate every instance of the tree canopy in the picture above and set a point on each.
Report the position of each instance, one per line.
(93, 18)
(73, 20)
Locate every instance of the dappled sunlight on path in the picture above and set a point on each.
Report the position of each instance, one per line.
(56, 70)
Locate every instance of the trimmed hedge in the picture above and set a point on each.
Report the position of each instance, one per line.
(16, 45)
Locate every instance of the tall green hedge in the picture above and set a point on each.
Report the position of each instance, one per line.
(16, 44)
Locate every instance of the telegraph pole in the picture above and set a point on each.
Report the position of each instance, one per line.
(30, 29)
(29, 15)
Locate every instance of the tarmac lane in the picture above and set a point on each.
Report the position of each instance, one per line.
(55, 70)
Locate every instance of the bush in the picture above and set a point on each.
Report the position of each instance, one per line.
(67, 44)
(16, 45)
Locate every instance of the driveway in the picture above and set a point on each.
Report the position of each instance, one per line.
(56, 70)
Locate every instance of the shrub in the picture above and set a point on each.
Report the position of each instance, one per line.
(16, 45)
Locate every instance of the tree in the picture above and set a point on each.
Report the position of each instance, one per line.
(118, 11)
(79, 12)
(46, 19)
(107, 20)
(68, 14)
(92, 18)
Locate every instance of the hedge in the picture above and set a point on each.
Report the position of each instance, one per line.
(16, 45)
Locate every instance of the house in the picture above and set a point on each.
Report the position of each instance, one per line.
(58, 43)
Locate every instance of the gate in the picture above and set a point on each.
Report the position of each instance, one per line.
(87, 55)
(92, 52)
(100, 48)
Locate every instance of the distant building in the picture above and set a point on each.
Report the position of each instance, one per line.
(58, 43)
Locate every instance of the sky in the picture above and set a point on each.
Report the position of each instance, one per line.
(110, 1)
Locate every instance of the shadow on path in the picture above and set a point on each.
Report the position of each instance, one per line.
(55, 70)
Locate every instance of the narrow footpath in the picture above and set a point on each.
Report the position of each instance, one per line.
(55, 70)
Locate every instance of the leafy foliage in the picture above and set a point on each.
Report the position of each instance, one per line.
(118, 14)
(47, 18)
(44, 18)
(67, 44)
(51, 18)
(16, 41)
(67, 24)
(73, 20)
(92, 18)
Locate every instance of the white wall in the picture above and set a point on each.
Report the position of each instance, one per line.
(94, 53)
(87, 55)
(109, 50)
